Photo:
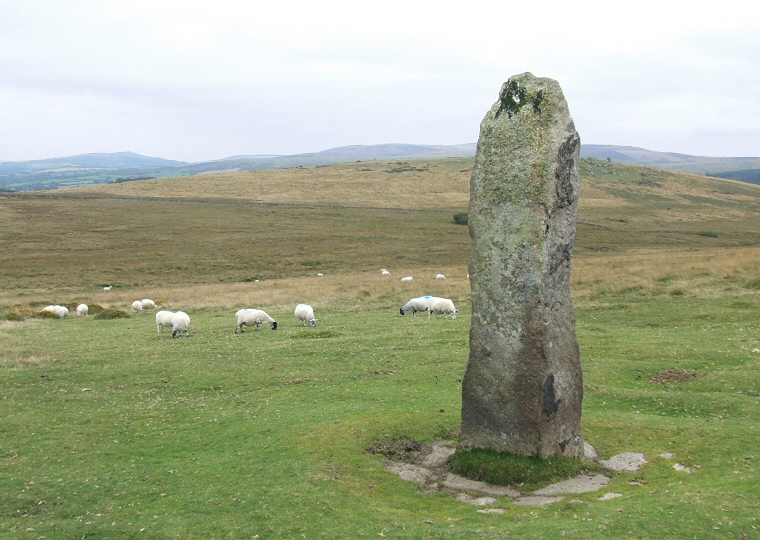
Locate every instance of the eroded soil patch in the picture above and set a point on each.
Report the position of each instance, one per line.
(672, 376)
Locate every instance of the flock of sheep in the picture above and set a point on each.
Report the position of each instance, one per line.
(385, 272)
(179, 321)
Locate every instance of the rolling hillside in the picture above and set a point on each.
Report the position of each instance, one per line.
(345, 218)
(746, 169)
(123, 167)
(126, 166)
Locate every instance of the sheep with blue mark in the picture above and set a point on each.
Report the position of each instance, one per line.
(421, 303)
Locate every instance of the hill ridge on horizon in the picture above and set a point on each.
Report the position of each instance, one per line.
(104, 167)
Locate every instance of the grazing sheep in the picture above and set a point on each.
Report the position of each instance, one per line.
(407, 278)
(305, 314)
(148, 304)
(82, 310)
(58, 310)
(137, 306)
(414, 305)
(164, 318)
(442, 306)
(320, 274)
(385, 272)
(107, 288)
(440, 276)
(180, 323)
(253, 317)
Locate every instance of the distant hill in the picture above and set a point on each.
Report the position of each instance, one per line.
(87, 169)
(114, 160)
(84, 169)
(342, 154)
(746, 169)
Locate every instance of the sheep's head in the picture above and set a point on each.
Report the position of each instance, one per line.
(176, 333)
(454, 313)
(313, 322)
(274, 325)
(402, 312)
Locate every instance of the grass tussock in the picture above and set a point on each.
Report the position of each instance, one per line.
(504, 469)
(112, 313)
(19, 313)
(47, 315)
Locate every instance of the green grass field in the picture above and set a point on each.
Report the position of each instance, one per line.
(110, 430)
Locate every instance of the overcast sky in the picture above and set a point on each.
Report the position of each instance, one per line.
(202, 80)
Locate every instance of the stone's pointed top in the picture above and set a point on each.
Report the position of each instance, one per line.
(526, 90)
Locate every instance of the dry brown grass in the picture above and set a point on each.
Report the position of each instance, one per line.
(347, 291)
(702, 273)
(198, 242)
(431, 184)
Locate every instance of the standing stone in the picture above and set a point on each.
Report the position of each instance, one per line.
(523, 387)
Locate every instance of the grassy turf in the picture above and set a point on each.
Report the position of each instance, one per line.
(110, 428)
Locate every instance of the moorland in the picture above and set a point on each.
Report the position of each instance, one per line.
(111, 430)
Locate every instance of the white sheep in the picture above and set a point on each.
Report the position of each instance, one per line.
(82, 310)
(107, 288)
(253, 317)
(147, 303)
(442, 306)
(137, 306)
(180, 323)
(414, 305)
(385, 272)
(440, 276)
(305, 314)
(58, 310)
(164, 319)
(407, 278)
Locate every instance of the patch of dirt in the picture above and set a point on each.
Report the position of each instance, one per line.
(405, 450)
(298, 381)
(381, 372)
(672, 376)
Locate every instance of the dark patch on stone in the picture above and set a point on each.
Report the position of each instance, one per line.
(561, 255)
(514, 97)
(551, 405)
(563, 444)
(566, 193)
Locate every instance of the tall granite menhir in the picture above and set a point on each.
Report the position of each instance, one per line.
(523, 387)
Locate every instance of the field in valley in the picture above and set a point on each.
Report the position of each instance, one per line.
(110, 430)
